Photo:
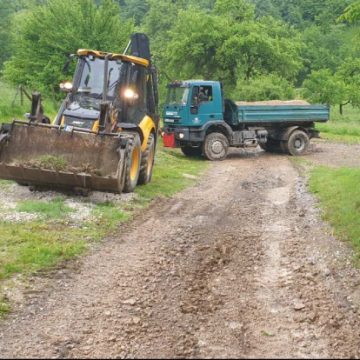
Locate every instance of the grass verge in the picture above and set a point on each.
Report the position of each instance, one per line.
(35, 245)
(342, 128)
(10, 104)
(338, 191)
(55, 209)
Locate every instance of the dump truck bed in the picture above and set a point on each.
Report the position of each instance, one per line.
(290, 113)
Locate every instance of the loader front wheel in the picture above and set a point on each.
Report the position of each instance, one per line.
(132, 163)
(147, 161)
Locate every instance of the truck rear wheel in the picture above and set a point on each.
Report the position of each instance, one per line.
(191, 151)
(216, 146)
(298, 143)
(132, 163)
(147, 161)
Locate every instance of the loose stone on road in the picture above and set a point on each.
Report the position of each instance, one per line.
(239, 265)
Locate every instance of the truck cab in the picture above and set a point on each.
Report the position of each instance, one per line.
(198, 119)
(193, 103)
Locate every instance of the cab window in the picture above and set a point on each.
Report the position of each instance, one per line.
(201, 94)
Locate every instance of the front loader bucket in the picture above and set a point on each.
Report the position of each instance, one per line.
(48, 155)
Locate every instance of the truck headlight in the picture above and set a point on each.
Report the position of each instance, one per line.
(181, 135)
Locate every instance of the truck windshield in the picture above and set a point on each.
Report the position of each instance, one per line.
(177, 95)
(90, 91)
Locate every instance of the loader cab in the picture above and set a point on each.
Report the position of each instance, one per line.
(193, 103)
(83, 104)
(125, 82)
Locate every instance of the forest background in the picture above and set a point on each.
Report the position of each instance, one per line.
(259, 49)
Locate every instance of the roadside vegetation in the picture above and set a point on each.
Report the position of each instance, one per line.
(342, 128)
(10, 104)
(52, 237)
(339, 194)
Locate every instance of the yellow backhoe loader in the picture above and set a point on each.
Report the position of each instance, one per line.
(104, 135)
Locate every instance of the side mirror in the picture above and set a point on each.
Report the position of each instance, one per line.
(194, 109)
(66, 86)
(66, 66)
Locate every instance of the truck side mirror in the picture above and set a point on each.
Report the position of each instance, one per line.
(194, 109)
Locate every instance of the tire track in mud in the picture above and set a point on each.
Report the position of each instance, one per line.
(238, 266)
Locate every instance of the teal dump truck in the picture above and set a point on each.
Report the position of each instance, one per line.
(200, 121)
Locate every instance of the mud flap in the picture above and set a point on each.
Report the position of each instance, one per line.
(169, 140)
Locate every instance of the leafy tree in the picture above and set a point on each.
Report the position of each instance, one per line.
(229, 43)
(303, 13)
(349, 72)
(351, 13)
(46, 34)
(134, 9)
(325, 88)
(7, 9)
(264, 87)
(194, 41)
(325, 49)
(264, 46)
(267, 8)
(239, 10)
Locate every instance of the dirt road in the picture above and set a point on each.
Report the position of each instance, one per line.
(239, 265)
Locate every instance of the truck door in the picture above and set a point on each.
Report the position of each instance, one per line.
(204, 105)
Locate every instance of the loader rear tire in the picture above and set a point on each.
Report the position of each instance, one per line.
(147, 161)
(132, 163)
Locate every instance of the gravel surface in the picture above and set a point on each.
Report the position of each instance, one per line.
(12, 194)
(239, 265)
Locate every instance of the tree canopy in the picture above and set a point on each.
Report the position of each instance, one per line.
(46, 34)
(258, 48)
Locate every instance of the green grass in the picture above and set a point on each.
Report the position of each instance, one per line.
(339, 193)
(343, 128)
(4, 306)
(55, 209)
(5, 183)
(30, 246)
(57, 163)
(10, 106)
(170, 175)
(36, 245)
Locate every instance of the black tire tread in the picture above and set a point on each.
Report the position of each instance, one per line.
(220, 137)
(129, 186)
(289, 143)
(144, 178)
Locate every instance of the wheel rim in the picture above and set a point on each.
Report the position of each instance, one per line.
(299, 144)
(134, 164)
(217, 147)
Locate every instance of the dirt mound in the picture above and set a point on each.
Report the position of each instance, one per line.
(272, 102)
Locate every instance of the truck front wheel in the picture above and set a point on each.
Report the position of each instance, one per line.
(298, 143)
(216, 146)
